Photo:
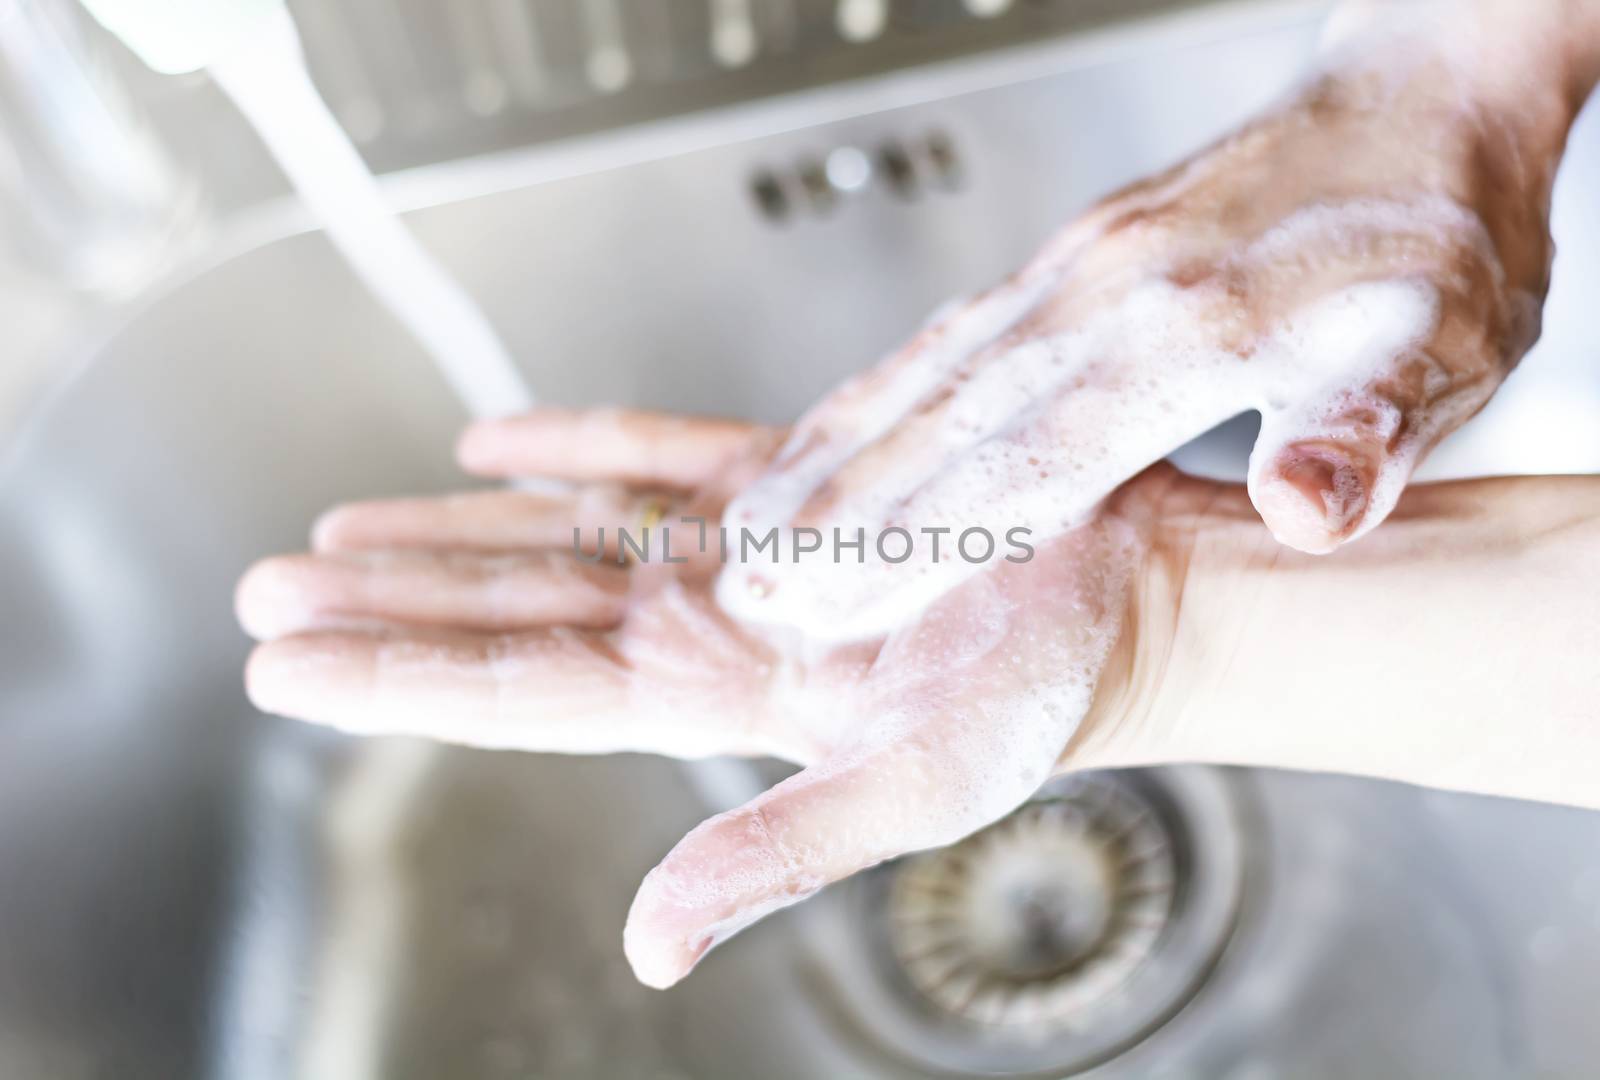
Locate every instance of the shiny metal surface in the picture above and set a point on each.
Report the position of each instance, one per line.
(188, 888)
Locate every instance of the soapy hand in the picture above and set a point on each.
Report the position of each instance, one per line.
(1363, 265)
(472, 619)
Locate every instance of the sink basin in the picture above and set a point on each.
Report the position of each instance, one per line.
(190, 888)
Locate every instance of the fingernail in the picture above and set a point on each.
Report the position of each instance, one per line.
(1315, 496)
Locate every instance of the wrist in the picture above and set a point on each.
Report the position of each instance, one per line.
(1469, 99)
(1535, 60)
(1539, 60)
(1450, 648)
(1203, 533)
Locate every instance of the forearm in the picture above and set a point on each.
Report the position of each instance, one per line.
(1457, 647)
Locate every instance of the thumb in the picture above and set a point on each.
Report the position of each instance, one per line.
(899, 793)
(1326, 471)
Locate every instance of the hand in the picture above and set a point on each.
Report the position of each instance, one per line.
(1363, 266)
(470, 619)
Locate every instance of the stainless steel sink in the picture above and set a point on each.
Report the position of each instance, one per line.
(190, 888)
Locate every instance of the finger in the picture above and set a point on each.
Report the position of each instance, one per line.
(627, 446)
(558, 690)
(1032, 483)
(545, 690)
(1328, 467)
(995, 388)
(865, 408)
(1329, 470)
(467, 591)
(902, 792)
(989, 393)
(479, 521)
(869, 410)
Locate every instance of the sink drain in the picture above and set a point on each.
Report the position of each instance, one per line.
(1033, 920)
(1051, 940)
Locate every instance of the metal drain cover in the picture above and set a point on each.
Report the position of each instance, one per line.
(1051, 940)
(1029, 922)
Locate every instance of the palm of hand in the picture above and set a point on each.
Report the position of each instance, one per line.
(458, 619)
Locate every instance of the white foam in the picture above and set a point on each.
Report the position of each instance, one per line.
(865, 408)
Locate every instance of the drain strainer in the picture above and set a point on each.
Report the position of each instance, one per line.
(1031, 921)
(1049, 941)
